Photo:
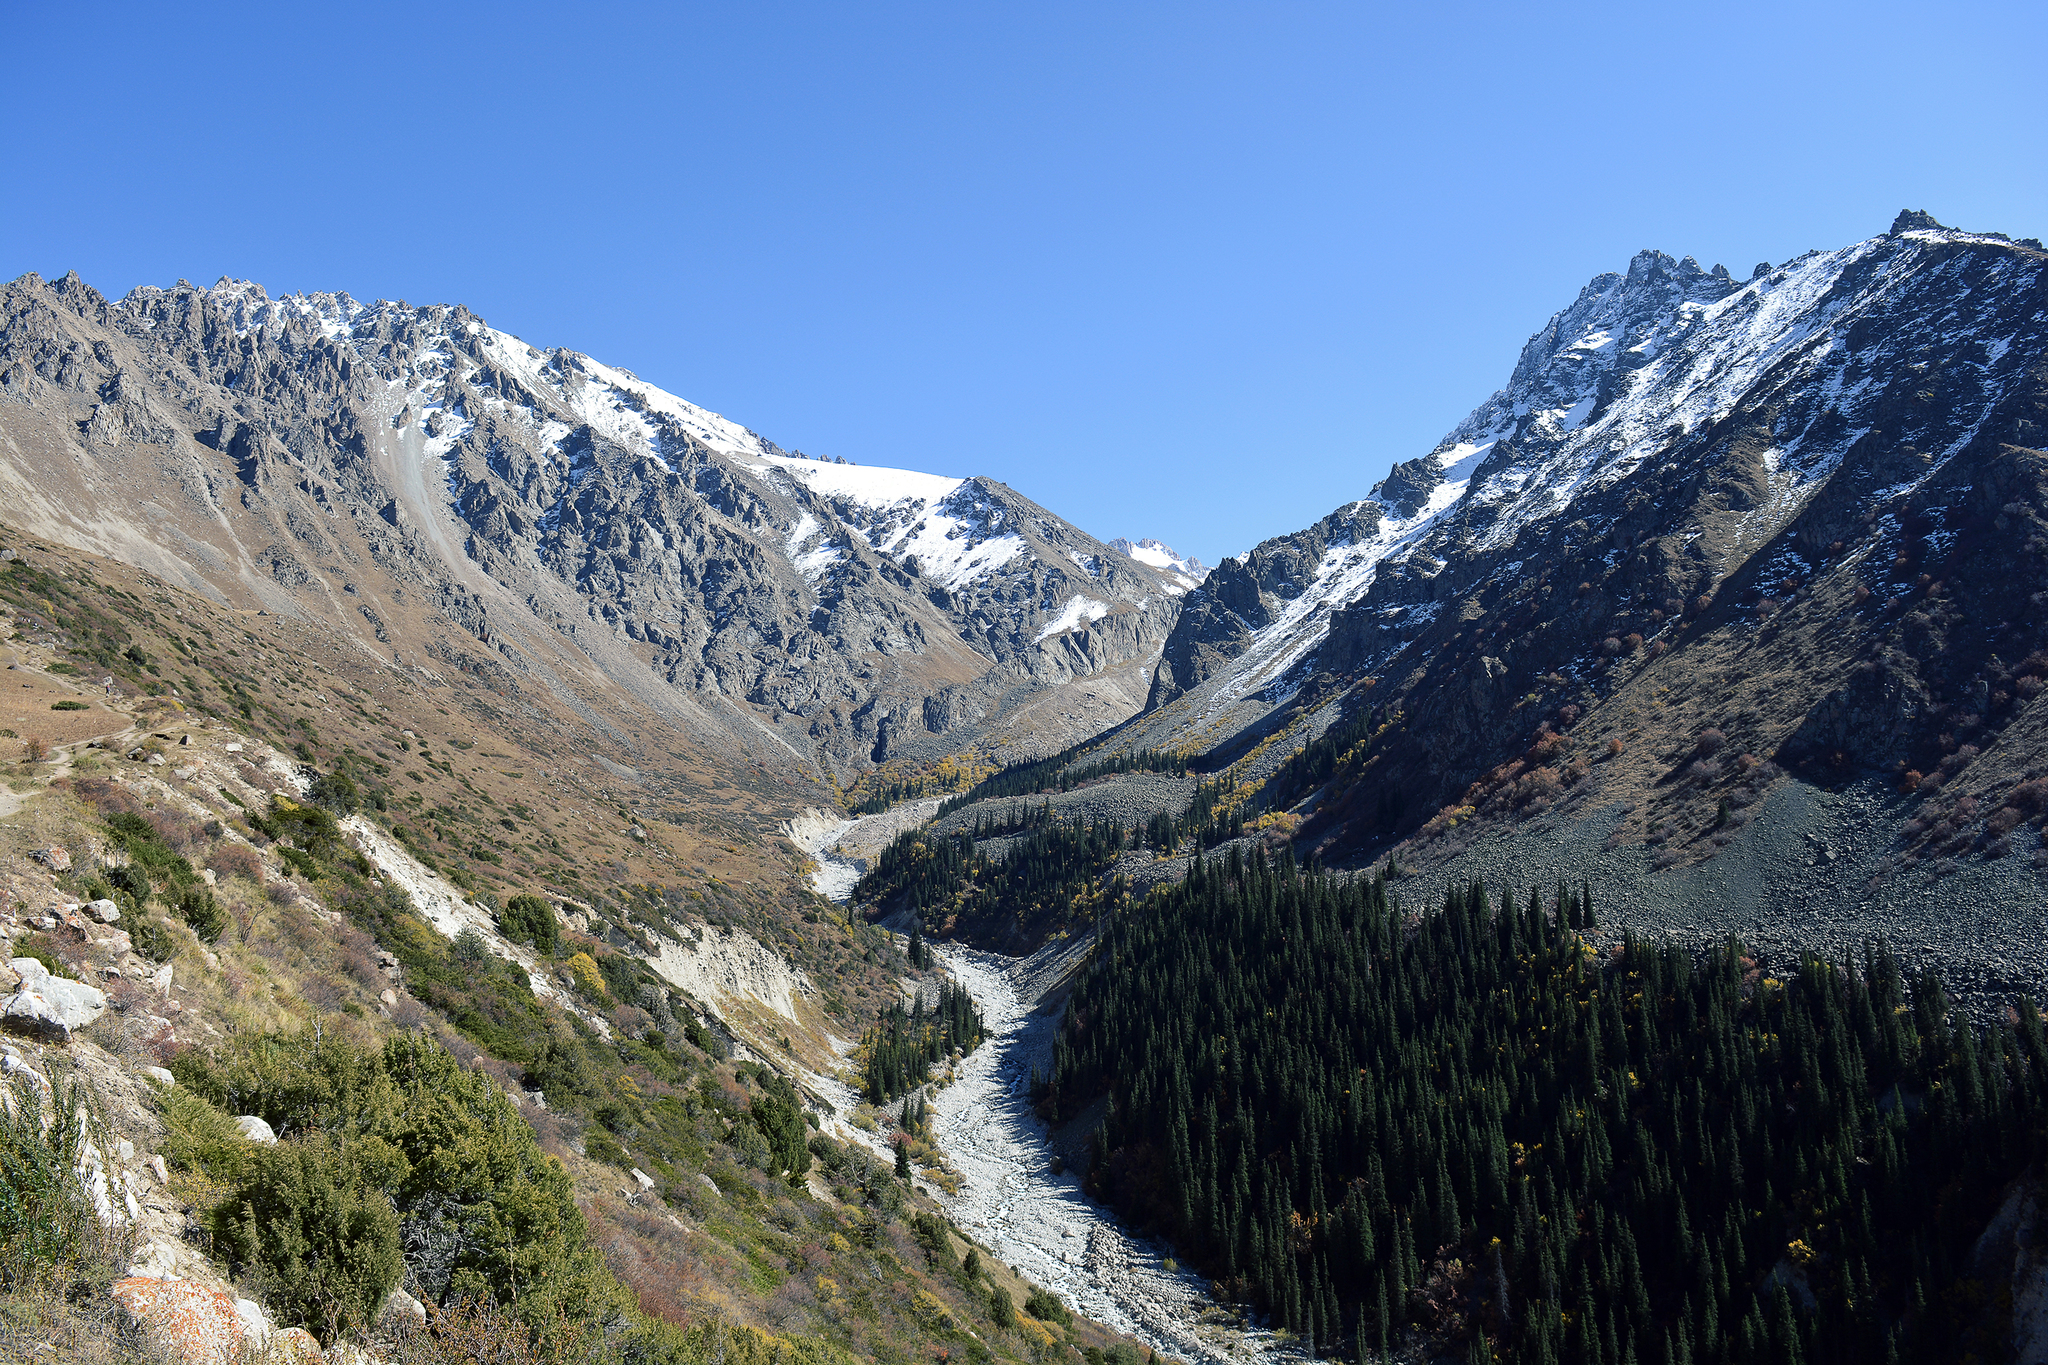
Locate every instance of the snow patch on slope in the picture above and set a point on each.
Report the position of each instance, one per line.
(1078, 612)
(936, 520)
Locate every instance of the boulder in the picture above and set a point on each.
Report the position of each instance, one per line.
(254, 1324)
(293, 1346)
(197, 1322)
(645, 1181)
(255, 1129)
(105, 911)
(52, 1007)
(400, 1310)
(158, 1074)
(56, 859)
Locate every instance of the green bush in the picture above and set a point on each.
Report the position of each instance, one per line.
(469, 946)
(1002, 1310)
(779, 1116)
(201, 1138)
(69, 705)
(527, 919)
(335, 792)
(312, 1225)
(1046, 1306)
(133, 881)
(199, 908)
(488, 1212)
(146, 933)
(602, 1146)
(48, 1229)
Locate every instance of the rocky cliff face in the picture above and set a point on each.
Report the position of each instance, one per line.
(454, 498)
(1808, 505)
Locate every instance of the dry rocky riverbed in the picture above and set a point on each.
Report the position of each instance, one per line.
(1010, 1200)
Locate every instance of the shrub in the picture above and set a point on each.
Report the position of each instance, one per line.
(1711, 742)
(311, 828)
(335, 792)
(43, 949)
(200, 1138)
(236, 860)
(602, 1146)
(780, 1117)
(69, 705)
(49, 1231)
(589, 980)
(1002, 1309)
(527, 919)
(146, 933)
(199, 908)
(470, 946)
(1046, 1306)
(313, 1225)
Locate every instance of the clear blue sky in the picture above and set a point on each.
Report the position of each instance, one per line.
(1193, 271)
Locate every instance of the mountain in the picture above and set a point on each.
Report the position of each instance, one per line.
(1185, 572)
(1730, 599)
(448, 496)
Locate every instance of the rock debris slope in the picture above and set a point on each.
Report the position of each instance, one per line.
(453, 497)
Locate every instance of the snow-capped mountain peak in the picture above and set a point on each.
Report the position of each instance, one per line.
(1183, 572)
(1635, 377)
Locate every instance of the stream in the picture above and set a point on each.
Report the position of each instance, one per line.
(1010, 1201)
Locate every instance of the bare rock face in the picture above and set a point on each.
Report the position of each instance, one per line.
(455, 499)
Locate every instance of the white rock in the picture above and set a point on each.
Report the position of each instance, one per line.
(231, 748)
(709, 1183)
(253, 1321)
(105, 911)
(162, 978)
(158, 1074)
(159, 1170)
(401, 1302)
(646, 1180)
(207, 875)
(255, 1129)
(155, 1261)
(389, 997)
(125, 1150)
(157, 761)
(53, 1006)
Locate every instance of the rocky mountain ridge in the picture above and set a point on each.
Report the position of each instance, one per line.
(452, 497)
(1680, 461)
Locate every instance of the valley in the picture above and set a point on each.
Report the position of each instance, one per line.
(388, 684)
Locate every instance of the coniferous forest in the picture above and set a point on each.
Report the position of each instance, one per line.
(906, 1043)
(1471, 1131)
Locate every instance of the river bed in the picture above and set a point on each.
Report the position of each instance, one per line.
(1010, 1201)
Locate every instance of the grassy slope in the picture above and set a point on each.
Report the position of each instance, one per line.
(501, 797)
